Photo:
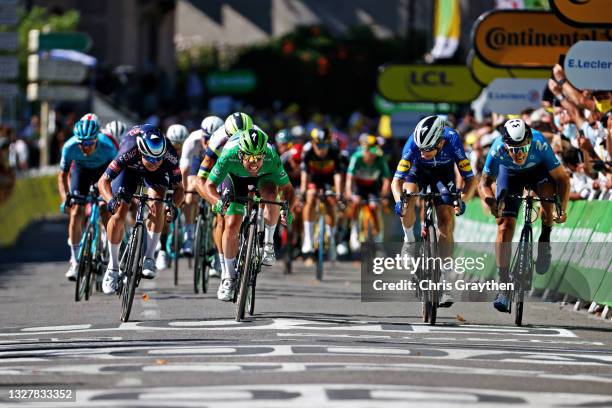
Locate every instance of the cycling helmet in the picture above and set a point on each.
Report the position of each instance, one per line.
(86, 129)
(428, 132)
(91, 116)
(177, 134)
(210, 124)
(321, 136)
(252, 141)
(283, 136)
(515, 132)
(150, 141)
(115, 128)
(236, 122)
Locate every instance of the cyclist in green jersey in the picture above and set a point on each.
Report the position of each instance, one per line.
(369, 176)
(247, 160)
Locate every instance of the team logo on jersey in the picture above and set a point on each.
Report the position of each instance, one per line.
(114, 166)
(403, 165)
(464, 165)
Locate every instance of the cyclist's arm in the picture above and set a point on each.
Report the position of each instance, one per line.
(486, 190)
(338, 183)
(289, 194)
(104, 185)
(349, 185)
(62, 184)
(563, 185)
(469, 186)
(209, 191)
(386, 185)
(179, 193)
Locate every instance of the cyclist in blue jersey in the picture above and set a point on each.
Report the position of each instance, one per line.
(85, 156)
(522, 158)
(428, 159)
(145, 156)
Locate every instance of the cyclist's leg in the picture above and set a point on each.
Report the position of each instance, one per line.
(409, 216)
(161, 261)
(80, 180)
(354, 206)
(227, 184)
(445, 184)
(157, 185)
(190, 210)
(545, 187)
(269, 191)
(331, 208)
(309, 214)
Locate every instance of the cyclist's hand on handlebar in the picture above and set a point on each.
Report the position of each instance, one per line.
(66, 204)
(561, 218)
(171, 213)
(397, 208)
(492, 204)
(113, 204)
(286, 217)
(460, 208)
(218, 207)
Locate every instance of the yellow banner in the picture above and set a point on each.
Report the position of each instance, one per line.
(521, 38)
(428, 83)
(485, 74)
(581, 13)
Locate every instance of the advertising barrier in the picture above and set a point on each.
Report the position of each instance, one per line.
(588, 65)
(583, 13)
(511, 95)
(485, 74)
(527, 38)
(427, 83)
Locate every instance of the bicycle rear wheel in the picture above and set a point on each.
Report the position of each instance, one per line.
(84, 266)
(321, 249)
(176, 248)
(131, 274)
(434, 276)
(245, 274)
(207, 257)
(288, 248)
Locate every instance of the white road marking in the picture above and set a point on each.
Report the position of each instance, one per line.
(56, 328)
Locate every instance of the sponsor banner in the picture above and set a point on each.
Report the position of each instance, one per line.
(532, 39)
(485, 74)
(403, 123)
(427, 83)
(588, 65)
(511, 95)
(238, 81)
(583, 13)
(66, 93)
(77, 41)
(55, 70)
(386, 107)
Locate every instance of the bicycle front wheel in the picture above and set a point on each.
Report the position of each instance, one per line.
(434, 276)
(245, 274)
(176, 248)
(84, 266)
(131, 273)
(321, 249)
(521, 273)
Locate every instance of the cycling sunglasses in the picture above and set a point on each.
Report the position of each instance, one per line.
(322, 145)
(87, 143)
(253, 158)
(429, 149)
(518, 149)
(152, 160)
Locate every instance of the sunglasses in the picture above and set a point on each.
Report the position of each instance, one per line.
(253, 158)
(429, 149)
(322, 145)
(152, 160)
(87, 143)
(518, 149)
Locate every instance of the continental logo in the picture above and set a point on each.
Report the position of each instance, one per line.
(527, 38)
(582, 13)
(464, 165)
(403, 166)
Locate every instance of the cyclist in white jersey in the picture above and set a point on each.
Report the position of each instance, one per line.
(191, 157)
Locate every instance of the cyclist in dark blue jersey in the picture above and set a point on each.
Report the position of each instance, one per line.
(145, 155)
(522, 158)
(85, 157)
(429, 159)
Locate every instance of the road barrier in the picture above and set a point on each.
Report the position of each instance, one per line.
(32, 199)
(581, 264)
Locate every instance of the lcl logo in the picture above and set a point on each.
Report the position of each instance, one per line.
(428, 78)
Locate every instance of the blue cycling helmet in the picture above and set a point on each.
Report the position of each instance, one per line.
(151, 142)
(86, 129)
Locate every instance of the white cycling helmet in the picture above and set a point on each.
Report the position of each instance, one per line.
(177, 134)
(116, 129)
(428, 132)
(515, 132)
(210, 124)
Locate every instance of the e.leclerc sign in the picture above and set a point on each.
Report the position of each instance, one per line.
(427, 83)
(588, 65)
(527, 38)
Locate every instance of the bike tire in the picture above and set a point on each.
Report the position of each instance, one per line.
(176, 249)
(432, 242)
(521, 268)
(245, 274)
(206, 258)
(197, 257)
(132, 272)
(288, 255)
(95, 262)
(321, 249)
(80, 289)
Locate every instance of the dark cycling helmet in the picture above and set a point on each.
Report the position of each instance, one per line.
(252, 142)
(321, 136)
(515, 132)
(86, 129)
(151, 142)
(283, 136)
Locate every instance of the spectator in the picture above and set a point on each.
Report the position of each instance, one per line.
(7, 174)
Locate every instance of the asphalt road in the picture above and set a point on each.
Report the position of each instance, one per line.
(309, 344)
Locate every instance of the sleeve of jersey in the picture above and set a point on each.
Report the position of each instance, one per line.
(119, 163)
(175, 173)
(491, 167)
(352, 165)
(548, 156)
(209, 157)
(186, 153)
(465, 167)
(403, 167)
(280, 172)
(66, 160)
(219, 171)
